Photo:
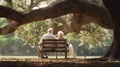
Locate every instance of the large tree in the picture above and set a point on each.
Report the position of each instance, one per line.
(113, 7)
(81, 9)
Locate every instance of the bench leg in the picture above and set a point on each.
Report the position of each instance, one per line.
(41, 54)
(65, 55)
(38, 55)
(56, 55)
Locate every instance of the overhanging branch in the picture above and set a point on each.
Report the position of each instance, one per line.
(53, 10)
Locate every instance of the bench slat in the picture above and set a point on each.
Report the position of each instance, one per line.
(54, 50)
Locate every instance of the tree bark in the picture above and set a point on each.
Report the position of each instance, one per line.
(114, 51)
(113, 8)
(108, 53)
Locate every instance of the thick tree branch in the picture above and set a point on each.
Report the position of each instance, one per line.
(54, 10)
(9, 13)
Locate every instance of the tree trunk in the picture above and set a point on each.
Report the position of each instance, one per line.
(113, 8)
(108, 53)
(117, 40)
(112, 52)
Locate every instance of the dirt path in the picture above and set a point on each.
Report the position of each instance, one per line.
(33, 62)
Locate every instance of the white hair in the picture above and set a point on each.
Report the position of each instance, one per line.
(50, 30)
(60, 33)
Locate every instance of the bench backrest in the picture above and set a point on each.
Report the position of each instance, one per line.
(58, 45)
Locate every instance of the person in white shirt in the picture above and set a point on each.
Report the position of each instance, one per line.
(71, 49)
(48, 35)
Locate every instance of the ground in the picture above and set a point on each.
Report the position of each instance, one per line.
(73, 62)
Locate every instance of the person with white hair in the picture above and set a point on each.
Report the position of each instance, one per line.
(48, 35)
(60, 35)
(71, 49)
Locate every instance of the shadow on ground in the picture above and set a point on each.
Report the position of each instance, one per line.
(31, 62)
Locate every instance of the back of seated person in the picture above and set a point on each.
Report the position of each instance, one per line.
(48, 35)
(71, 49)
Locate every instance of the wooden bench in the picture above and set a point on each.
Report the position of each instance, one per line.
(54, 45)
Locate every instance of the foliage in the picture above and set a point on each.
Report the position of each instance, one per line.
(3, 22)
(83, 50)
(92, 34)
(8, 39)
(31, 33)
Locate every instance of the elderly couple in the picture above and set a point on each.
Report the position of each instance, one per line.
(60, 34)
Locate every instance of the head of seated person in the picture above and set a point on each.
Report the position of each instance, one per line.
(50, 31)
(60, 35)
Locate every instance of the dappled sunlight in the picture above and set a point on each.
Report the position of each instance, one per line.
(71, 62)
